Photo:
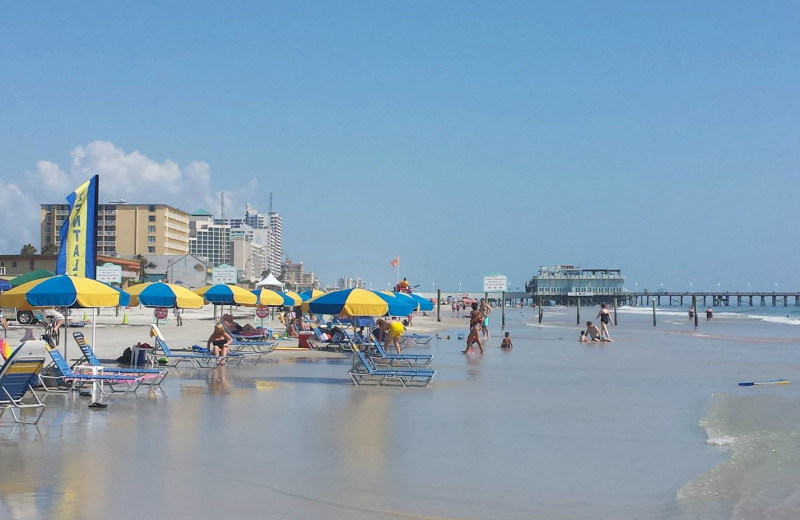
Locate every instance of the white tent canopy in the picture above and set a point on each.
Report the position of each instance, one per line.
(270, 281)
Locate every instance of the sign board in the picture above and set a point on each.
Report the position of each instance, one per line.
(579, 293)
(495, 283)
(262, 312)
(160, 313)
(108, 273)
(224, 274)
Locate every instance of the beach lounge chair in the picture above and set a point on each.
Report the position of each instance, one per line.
(17, 377)
(64, 378)
(155, 376)
(196, 359)
(365, 371)
(408, 360)
(258, 343)
(320, 342)
(419, 339)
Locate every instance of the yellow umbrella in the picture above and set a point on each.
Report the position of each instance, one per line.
(62, 291)
(223, 294)
(270, 298)
(17, 297)
(296, 297)
(160, 294)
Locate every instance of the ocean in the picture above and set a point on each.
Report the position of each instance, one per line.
(653, 425)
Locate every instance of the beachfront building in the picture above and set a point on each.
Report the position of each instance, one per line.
(209, 240)
(249, 258)
(563, 284)
(125, 229)
(295, 277)
(350, 283)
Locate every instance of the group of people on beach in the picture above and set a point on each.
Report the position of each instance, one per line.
(593, 333)
(479, 326)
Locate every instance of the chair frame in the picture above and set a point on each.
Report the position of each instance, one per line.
(364, 371)
(17, 377)
(154, 376)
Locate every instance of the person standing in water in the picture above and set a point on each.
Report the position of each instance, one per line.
(605, 317)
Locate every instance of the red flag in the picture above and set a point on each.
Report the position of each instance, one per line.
(396, 261)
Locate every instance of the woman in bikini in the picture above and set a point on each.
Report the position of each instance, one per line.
(475, 323)
(221, 341)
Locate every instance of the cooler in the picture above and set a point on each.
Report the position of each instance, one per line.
(302, 338)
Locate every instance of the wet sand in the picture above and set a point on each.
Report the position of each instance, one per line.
(552, 429)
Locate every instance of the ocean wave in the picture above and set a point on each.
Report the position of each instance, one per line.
(760, 480)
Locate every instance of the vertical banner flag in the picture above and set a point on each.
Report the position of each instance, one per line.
(396, 261)
(78, 253)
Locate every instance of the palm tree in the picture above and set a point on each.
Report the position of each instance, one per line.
(142, 265)
(49, 249)
(28, 250)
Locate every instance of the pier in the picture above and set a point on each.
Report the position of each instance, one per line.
(710, 299)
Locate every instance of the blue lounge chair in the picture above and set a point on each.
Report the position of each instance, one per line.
(409, 360)
(17, 377)
(153, 376)
(64, 379)
(196, 359)
(419, 339)
(364, 371)
(259, 344)
(319, 341)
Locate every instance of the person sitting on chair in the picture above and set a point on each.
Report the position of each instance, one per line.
(221, 341)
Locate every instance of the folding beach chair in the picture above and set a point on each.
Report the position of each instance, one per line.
(365, 371)
(17, 377)
(64, 379)
(153, 376)
(408, 360)
(419, 339)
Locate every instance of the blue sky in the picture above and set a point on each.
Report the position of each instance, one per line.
(468, 138)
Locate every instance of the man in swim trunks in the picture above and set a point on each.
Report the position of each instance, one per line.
(593, 333)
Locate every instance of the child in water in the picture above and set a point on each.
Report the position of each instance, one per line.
(506, 342)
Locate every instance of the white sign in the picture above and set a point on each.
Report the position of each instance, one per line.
(579, 293)
(495, 283)
(108, 273)
(224, 274)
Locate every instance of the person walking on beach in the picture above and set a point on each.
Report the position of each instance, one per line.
(691, 313)
(475, 323)
(178, 313)
(709, 314)
(605, 317)
(485, 310)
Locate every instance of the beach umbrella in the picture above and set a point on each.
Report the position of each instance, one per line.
(64, 291)
(424, 303)
(349, 302)
(160, 294)
(308, 295)
(27, 277)
(397, 306)
(405, 297)
(4, 285)
(296, 298)
(223, 294)
(270, 298)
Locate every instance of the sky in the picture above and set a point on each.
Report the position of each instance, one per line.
(467, 138)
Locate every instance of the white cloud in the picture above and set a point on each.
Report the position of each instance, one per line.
(131, 176)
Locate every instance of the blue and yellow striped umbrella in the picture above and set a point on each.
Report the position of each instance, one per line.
(270, 298)
(349, 302)
(397, 306)
(64, 291)
(424, 304)
(224, 294)
(160, 294)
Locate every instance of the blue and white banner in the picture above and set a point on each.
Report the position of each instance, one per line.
(78, 253)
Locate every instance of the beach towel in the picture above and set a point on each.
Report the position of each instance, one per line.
(5, 349)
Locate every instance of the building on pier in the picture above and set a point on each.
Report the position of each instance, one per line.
(564, 284)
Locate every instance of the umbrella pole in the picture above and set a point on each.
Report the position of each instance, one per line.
(94, 329)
